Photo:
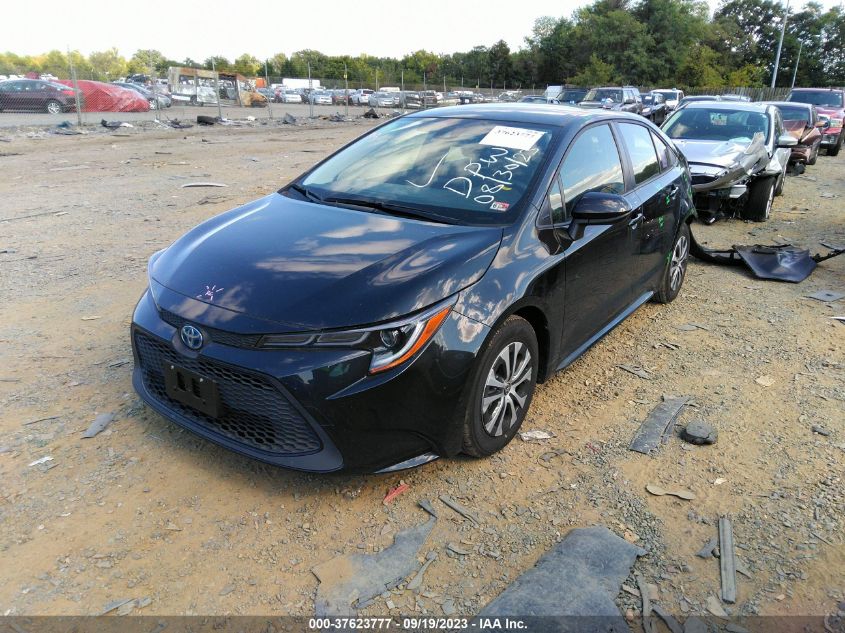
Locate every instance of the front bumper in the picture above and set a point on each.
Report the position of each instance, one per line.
(308, 409)
(831, 137)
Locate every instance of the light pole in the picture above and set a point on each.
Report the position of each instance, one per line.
(780, 43)
(795, 72)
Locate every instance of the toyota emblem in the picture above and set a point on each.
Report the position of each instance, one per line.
(191, 336)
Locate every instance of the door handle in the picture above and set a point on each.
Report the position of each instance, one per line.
(636, 219)
(673, 191)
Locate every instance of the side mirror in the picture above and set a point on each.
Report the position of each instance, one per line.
(630, 101)
(823, 123)
(596, 208)
(787, 140)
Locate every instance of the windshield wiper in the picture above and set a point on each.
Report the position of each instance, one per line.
(307, 193)
(386, 207)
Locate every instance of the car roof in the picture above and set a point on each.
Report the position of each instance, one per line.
(818, 89)
(727, 105)
(790, 104)
(542, 113)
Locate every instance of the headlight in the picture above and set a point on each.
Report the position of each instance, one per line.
(836, 123)
(391, 345)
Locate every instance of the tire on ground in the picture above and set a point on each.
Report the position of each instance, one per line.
(515, 334)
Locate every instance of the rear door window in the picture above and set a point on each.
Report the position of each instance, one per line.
(592, 164)
(665, 156)
(641, 150)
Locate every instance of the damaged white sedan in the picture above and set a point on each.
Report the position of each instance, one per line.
(737, 154)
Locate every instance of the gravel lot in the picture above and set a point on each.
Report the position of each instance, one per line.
(146, 510)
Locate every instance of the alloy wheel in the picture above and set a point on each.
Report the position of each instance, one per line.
(54, 107)
(507, 389)
(678, 265)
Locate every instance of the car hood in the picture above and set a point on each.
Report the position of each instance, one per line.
(803, 133)
(723, 153)
(309, 266)
(835, 113)
(600, 104)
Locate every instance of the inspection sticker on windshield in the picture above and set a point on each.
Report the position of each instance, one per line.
(511, 137)
(717, 118)
(499, 206)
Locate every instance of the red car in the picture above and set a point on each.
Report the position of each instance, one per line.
(830, 102)
(801, 120)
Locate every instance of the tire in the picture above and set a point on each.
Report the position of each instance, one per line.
(505, 373)
(153, 104)
(192, 101)
(780, 181)
(814, 156)
(833, 151)
(761, 193)
(53, 107)
(676, 268)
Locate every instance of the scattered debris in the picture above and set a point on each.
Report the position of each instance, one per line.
(179, 125)
(826, 296)
(204, 119)
(657, 423)
(715, 607)
(416, 582)
(699, 432)
(42, 460)
(119, 363)
(537, 435)
(203, 184)
(113, 125)
(370, 114)
(426, 505)
(546, 458)
(741, 568)
(457, 549)
(398, 490)
(92, 317)
(580, 576)
(457, 507)
(727, 566)
(347, 582)
(765, 381)
(637, 371)
(820, 430)
(675, 492)
(52, 417)
(671, 622)
(648, 623)
(115, 604)
(99, 424)
(690, 327)
(707, 549)
(225, 591)
(289, 119)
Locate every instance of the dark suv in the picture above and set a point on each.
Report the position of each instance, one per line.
(37, 95)
(622, 99)
(830, 103)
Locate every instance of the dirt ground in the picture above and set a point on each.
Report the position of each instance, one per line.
(147, 510)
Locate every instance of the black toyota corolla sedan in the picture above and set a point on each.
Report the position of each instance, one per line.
(400, 301)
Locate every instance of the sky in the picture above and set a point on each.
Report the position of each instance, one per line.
(201, 28)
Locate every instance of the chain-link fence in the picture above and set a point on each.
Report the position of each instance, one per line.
(170, 95)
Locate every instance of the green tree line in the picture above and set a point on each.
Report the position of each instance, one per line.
(641, 42)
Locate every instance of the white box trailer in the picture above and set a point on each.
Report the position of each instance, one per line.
(292, 83)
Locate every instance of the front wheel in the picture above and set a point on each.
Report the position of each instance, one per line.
(53, 107)
(833, 151)
(502, 388)
(814, 156)
(761, 193)
(676, 267)
(153, 104)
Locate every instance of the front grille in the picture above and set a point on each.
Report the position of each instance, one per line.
(701, 179)
(218, 336)
(253, 412)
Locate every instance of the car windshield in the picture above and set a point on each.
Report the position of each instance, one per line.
(794, 113)
(716, 125)
(572, 95)
(464, 171)
(648, 98)
(600, 94)
(824, 98)
(668, 94)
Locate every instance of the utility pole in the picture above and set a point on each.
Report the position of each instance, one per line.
(346, 83)
(780, 43)
(76, 92)
(402, 84)
(310, 97)
(425, 89)
(216, 88)
(795, 72)
(267, 86)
